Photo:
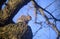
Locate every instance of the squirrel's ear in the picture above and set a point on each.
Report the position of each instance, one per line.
(29, 17)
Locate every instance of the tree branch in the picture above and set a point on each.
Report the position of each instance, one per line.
(10, 10)
(45, 11)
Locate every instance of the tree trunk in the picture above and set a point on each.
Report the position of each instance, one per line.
(10, 10)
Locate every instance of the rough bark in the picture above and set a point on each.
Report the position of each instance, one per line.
(8, 29)
(11, 9)
(15, 31)
(12, 31)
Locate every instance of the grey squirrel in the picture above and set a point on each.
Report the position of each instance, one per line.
(1, 3)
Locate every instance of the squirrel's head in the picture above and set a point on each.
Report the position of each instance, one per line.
(24, 18)
(28, 18)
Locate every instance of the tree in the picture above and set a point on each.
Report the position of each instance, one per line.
(13, 6)
(6, 23)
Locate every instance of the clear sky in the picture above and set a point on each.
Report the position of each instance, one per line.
(45, 32)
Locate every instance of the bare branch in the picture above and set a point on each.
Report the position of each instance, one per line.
(45, 11)
(53, 26)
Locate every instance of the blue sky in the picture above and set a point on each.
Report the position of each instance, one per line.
(45, 32)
